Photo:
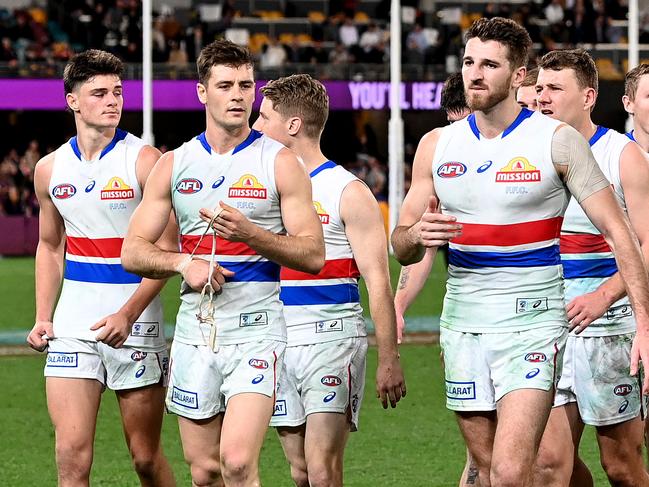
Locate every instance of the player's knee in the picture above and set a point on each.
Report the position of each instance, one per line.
(508, 475)
(73, 460)
(299, 476)
(549, 464)
(622, 470)
(205, 472)
(324, 475)
(237, 466)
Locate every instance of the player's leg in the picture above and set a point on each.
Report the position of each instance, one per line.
(524, 372)
(558, 458)
(558, 452)
(620, 447)
(250, 379)
(74, 382)
(332, 386)
(73, 406)
(470, 393)
(289, 417)
(469, 477)
(292, 440)
(139, 380)
(478, 430)
(614, 407)
(201, 446)
(194, 394)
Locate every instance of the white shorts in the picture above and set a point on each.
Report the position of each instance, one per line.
(117, 368)
(201, 382)
(481, 368)
(596, 376)
(321, 378)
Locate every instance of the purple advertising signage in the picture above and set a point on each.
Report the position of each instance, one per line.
(171, 95)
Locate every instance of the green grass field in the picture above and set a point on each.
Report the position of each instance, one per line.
(17, 294)
(417, 444)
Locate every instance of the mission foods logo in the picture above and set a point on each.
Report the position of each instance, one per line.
(117, 189)
(247, 187)
(322, 213)
(518, 170)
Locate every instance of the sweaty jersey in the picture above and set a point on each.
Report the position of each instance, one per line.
(249, 307)
(326, 306)
(587, 259)
(504, 271)
(96, 200)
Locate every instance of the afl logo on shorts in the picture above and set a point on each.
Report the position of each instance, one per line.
(451, 170)
(535, 357)
(622, 389)
(258, 363)
(189, 186)
(331, 380)
(64, 191)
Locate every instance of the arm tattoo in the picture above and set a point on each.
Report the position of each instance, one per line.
(403, 280)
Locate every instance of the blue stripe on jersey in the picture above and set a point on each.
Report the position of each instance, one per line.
(630, 135)
(526, 258)
(524, 113)
(574, 268)
(119, 135)
(322, 167)
(254, 135)
(252, 271)
(332, 294)
(99, 273)
(597, 135)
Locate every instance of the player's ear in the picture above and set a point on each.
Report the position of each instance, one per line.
(628, 104)
(73, 101)
(294, 124)
(201, 92)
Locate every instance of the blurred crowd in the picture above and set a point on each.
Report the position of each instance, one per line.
(345, 34)
(17, 195)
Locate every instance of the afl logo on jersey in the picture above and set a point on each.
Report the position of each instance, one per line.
(451, 170)
(247, 187)
(189, 186)
(64, 191)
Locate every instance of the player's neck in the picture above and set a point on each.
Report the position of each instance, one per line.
(586, 127)
(494, 121)
(92, 141)
(310, 153)
(222, 140)
(641, 137)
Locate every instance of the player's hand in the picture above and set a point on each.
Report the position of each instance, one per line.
(640, 353)
(585, 309)
(115, 329)
(390, 384)
(434, 228)
(230, 223)
(41, 333)
(196, 272)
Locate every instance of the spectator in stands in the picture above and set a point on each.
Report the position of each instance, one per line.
(348, 33)
(416, 45)
(376, 178)
(32, 154)
(273, 54)
(315, 53)
(371, 38)
(7, 52)
(177, 53)
(339, 55)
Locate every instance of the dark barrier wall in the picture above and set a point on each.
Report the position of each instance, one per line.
(18, 235)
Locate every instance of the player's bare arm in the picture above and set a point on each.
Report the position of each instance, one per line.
(303, 246)
(141, 255)
(575, 162)
(634, 175)
(364, 229)
(421, 224)
(115, 328)
(49, 256)
(411, 281)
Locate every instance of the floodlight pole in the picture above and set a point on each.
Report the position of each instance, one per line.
(147, 74)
